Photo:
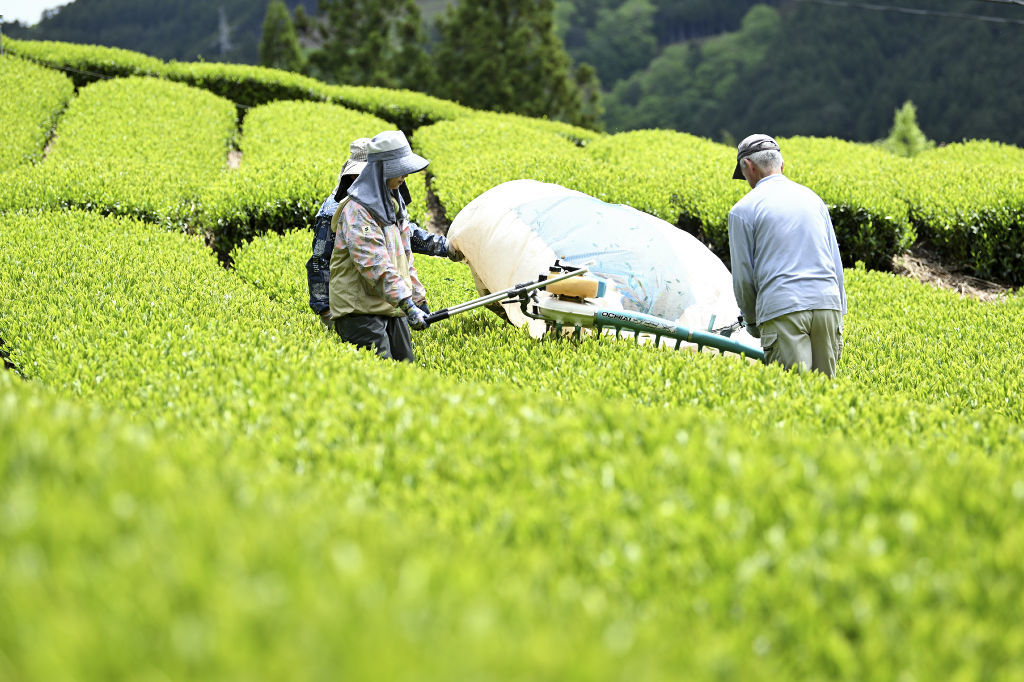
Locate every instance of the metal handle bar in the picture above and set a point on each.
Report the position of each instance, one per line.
(512, 292)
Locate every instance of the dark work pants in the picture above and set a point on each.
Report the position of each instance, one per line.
(388, 336)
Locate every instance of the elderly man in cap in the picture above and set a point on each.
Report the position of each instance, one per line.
(786, 269)
(375, 295)
(325, 225)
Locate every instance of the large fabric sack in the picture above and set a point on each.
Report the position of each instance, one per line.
(513, 232)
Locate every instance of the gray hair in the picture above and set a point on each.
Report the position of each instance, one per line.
(768, 160)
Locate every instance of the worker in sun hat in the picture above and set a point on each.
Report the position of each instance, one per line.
(787, 273)
(375, 295)
(318, 267)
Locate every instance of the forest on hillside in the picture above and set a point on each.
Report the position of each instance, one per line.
(715, 68)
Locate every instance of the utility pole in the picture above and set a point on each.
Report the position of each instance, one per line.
(1, 35)
(224, 32)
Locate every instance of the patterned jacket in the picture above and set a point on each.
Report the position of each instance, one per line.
(372, 269)
(318, 267)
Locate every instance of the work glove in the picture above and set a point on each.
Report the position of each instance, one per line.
(416, 317)
(454, 254)
(422, 305)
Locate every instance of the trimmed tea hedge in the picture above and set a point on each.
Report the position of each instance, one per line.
(31, 99)
(907, 346)
(292, 153)
(247, 86)
(431, 526)
(132, 146)
(680, 178)
(861, 186)
(966, 205)
(475, 153)
(967, 201)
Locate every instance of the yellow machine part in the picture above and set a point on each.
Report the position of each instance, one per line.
(575, 287)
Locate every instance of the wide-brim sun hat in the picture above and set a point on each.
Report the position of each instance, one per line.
(392, 149)
(357, 157)
(750, 145)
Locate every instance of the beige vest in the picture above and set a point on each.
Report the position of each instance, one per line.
(349, 290)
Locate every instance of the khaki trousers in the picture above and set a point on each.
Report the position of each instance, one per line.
(806, 339)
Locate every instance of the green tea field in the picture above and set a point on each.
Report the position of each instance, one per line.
(197, 482)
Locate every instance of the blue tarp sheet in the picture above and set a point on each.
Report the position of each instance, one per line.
(620, 245)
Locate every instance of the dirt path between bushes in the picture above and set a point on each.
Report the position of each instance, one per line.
(923, 265)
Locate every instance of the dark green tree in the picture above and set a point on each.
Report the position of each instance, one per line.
(622, 41)
(371, 42)
(504, 55)
(692, 86)
(280, 46)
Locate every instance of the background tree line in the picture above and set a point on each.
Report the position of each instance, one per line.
(717, 68)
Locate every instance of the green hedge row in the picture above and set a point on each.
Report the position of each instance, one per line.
(967, 204)
(430, 525)
(861, 186)
(680, 178)
(967, 201)
(31, 99)
(475, 153)
(132, 146)
(292, 153)
(907, 347)
(157, 150)
(246, 86)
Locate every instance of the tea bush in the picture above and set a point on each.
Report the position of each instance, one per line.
(475, 153)
(895, 327)
(967, 201)
(967, 205)
(132, 146)
(245, 85)
(292, 153)
(682, 179)
(85, 64)
(295, 491)
(31, 99)
(860, 184)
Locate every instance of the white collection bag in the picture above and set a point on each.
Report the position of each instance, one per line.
(514, 232)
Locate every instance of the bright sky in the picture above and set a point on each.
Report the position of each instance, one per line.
(27, 11)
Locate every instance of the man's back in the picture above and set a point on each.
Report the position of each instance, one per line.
(784, 251)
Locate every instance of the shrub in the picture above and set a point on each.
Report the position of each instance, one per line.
(967, 200)
(132, 146)
(481, 526)
(292, 153)
(31, 99)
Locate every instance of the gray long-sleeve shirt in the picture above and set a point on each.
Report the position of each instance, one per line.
(784, 252)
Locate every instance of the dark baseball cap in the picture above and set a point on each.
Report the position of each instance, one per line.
(752, 144)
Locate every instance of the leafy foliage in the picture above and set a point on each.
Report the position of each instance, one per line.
(292, 153)
(247, 86)
(539, 526)
(505, 56)
(879, 203)
(680, 178)
(371, 42)
(967, 200)
(31, 98)
(214, 469)
(136, 146)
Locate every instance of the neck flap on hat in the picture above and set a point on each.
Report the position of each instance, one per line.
(371, 191)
